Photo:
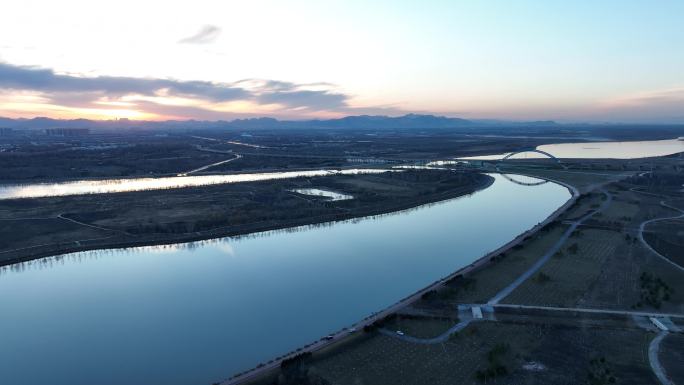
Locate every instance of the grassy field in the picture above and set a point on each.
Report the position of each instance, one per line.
(158, 216)
(564, 279)
(421, 327)
(602, 265)
(21, 233)
(584, 205)
(672, 357)
(531, 353)
(667, 237)
(483, 284)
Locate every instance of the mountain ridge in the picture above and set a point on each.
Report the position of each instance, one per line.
(408, 121)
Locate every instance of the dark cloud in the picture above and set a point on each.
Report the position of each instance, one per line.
(80, 91)
(206, 35)
(314, 100)
(45, 80)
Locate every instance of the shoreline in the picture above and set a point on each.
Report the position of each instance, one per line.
(255, 228)
(339, 336)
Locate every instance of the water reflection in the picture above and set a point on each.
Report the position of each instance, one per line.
(216, 307)
(317, 192)
(225, 243)
(524, 180)
(140, 184)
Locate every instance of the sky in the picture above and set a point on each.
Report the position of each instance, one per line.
(588, 61)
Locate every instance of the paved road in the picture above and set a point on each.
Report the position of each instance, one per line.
(237, 156)
(593, 311)
(537, 265)
(428, 341)
(255, 372)
(653, 359)
(643, 225)
(394, 308)
(461, 325)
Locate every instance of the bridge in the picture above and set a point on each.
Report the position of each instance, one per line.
(548, 155)
(532, 150)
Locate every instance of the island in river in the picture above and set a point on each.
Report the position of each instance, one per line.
(38, 227)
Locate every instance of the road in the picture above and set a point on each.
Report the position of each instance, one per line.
(654, 347)
(318, 345)
(653, 359)
(591, 311)
(462, 325)
(428, 341)
(537, 265)
(643, 225)
(237, 156)
(61, 216)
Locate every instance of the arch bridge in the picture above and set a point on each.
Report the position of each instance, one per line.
(551, 156)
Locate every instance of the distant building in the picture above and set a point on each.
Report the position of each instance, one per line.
(5, 131)
(67, 131)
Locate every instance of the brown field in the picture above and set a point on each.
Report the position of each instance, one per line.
(176, 215)
(568, 275)
(483, 284)
(672, 357)
(667, 237)
(565, 353)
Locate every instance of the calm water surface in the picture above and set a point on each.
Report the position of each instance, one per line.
(317, 192)
(197, 313)
(601, 150)
(95, 186)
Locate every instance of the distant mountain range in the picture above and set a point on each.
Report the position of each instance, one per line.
(375, 122)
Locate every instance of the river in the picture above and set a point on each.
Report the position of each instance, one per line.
(599, 150)
(196, 313)
(102, 186)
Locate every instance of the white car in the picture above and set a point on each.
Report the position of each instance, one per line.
(400, 332)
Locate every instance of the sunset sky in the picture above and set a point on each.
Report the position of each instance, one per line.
(617, 61)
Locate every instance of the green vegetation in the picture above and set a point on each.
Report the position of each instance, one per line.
(654, 291)
(542, 278)
(294, 371)
(667, 237)
(420, 326)
(568, 277)
(149, 217)
(496, 366)
(600, 372)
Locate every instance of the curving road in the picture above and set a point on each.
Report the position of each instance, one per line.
(643, 225)
(653, 350)
(428, 341)
(537, 265)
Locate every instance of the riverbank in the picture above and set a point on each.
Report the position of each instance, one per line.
(265, 369)
(127, 219)
(545, 304)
